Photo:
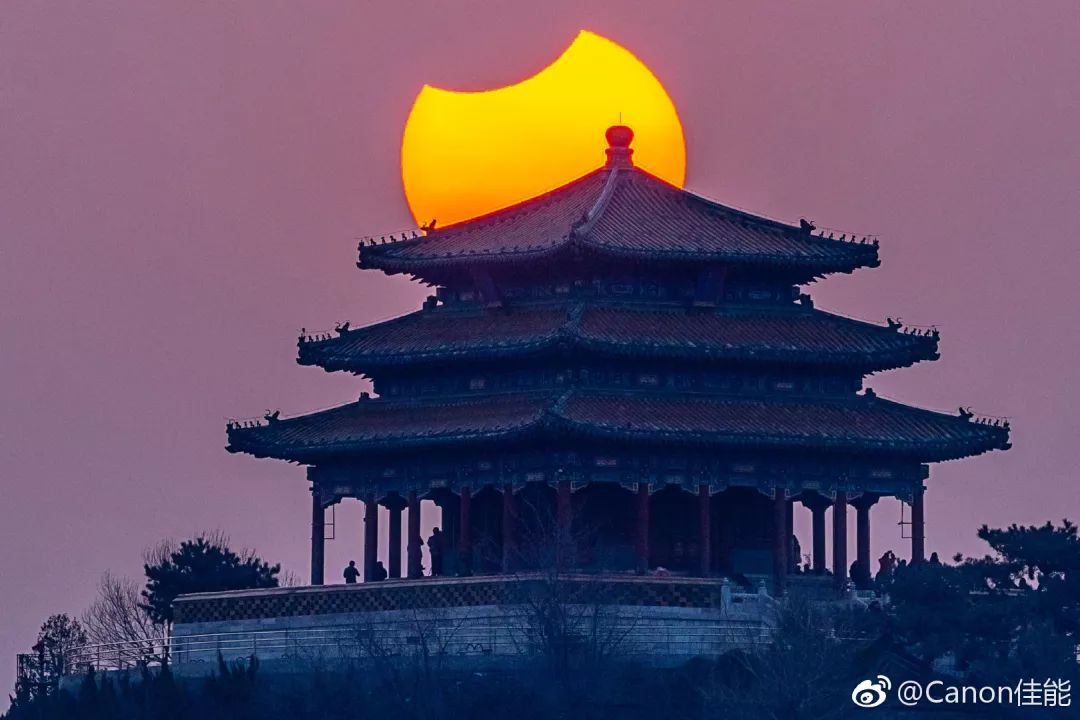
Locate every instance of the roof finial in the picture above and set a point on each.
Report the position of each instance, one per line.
(619, 152)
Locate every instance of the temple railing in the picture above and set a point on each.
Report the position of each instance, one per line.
(124, 655)
(465, 592)
(459, 617)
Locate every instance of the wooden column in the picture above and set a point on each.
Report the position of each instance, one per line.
(509, 536)
(817, 514)
(704, 531)
(413, 543)
(641, 534)
(318, 538)
(780, 541)
(862, 534)
(918, 527)
(793, 560)
(563, 536)
(371, 537)
(464, 532)
(839, 517)
(395, 505)
(449, 520)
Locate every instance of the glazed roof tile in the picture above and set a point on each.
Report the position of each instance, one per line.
(861, 423)
(857, 424)
(374, 423)
(626, 212)
(794, 334)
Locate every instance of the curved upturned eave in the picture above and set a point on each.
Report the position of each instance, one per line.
(926, 452)
(314, 452)
(394, 257)
(554, 416)
(568, 337)
(812, 268)
(859, 362)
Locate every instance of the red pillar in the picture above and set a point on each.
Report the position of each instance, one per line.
(318, 538)
(464, 532)
(509, 518)
(817, 512)
(704, 530)
(394, 555)
(840, 539)
(563, 539)
(414, 543)
(780, 541)
(371, 537)
(641, 540)
(862, 534)
(789, 522)
(918, 528)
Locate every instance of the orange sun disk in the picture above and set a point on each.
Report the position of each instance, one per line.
(464, 154)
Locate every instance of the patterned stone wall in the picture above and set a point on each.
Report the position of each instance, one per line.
(468, 621)
(450, 592)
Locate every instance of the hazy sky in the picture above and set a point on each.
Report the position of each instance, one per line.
(180, 189)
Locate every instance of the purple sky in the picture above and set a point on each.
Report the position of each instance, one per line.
(180, 190)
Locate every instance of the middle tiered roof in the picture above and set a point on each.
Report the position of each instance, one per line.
(787, 334)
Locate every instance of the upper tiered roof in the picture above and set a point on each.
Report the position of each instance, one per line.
(621, 211)
(788, 334)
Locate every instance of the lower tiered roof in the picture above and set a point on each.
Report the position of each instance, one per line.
(792, 334)
(863, 423)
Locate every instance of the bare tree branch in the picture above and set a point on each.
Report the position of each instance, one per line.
(114, 616)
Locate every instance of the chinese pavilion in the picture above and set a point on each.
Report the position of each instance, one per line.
(636, 358)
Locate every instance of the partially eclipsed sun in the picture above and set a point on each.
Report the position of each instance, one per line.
(464, 154)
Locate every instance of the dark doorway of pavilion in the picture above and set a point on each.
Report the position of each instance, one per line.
(674, 532)
(536, 531)
(486, 531)
(603, 528)
(742, 520)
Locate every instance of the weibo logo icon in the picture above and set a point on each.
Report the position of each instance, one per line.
(871, 693)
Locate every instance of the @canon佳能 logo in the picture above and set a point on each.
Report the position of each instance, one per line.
(871, 693)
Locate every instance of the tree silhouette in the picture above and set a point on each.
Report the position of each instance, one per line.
(204, 564)
(59, 635)
(1014, 611)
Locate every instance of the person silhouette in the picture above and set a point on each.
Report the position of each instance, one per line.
(435, 547)
(380, 571)
(351, 573)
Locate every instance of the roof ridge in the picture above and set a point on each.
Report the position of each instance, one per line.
(745, 215)
(572, 325)
(529, 204)
(586, 223)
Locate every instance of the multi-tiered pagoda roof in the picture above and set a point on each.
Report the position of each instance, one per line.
(533, 283)
(621, 335)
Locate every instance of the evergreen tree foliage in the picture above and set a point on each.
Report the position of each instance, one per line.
(58, 636)
(1013, 613)
(204, 564)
